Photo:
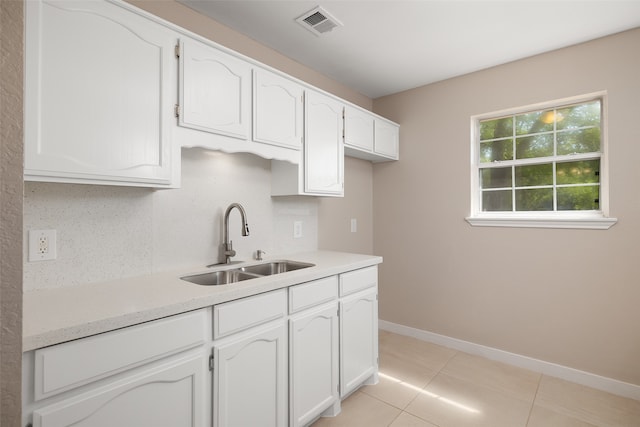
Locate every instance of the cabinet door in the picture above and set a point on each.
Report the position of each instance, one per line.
(215, 90)
(358, 339)
(387, 137)
(313, 363)
(97, 94)
(358, 129)
(277, 110)
(171, 395)
(250, 380)
(323, 148)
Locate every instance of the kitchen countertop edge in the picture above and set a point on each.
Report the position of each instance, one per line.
(54, 316)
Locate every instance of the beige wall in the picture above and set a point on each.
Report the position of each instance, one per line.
(335, 214)
(564, 296)
(10, 211)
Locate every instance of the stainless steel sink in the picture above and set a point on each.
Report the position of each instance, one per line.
(224, 277)
(275, 267)
(219, 277)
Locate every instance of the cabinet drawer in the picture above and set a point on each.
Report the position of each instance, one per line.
(235, 316)
(356, 280)
(313, 293)
(72, 364)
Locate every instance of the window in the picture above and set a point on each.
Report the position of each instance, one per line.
(542, 166)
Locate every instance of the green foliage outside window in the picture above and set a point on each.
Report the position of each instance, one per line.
(526, 160)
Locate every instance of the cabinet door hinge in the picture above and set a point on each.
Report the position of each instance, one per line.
(177, 110)
(177, 50)
(211, 362)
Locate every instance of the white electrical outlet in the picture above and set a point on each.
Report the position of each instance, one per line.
(354, 225)
(42, 245)
(297, 229)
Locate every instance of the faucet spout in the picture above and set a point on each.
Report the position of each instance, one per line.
(228, 245)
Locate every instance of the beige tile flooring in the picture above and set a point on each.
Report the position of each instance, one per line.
(425, 385)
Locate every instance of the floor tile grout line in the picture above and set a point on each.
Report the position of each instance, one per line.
(425, 387)
(533, 402)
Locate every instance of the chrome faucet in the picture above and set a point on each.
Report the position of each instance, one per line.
(227, 244)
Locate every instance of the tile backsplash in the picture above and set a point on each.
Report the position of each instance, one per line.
(109, 232)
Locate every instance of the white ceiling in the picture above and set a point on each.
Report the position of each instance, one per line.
(386, 47)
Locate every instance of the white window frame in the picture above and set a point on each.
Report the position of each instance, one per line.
(558, 219)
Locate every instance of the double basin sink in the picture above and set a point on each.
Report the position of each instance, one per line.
(227, 276)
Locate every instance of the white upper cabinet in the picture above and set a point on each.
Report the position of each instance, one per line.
(323, 149)
(370, 137)
(321, 171)
(215, 90)
(277, 110)
(387, 136)
(98, 104)
(358, 129)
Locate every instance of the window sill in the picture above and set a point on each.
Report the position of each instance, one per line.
(588, 222)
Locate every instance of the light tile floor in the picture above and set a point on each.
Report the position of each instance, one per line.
(426, 385)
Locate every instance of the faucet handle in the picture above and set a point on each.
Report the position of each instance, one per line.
(259, 254)
(228, 250)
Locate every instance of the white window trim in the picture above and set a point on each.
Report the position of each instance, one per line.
(597, 220)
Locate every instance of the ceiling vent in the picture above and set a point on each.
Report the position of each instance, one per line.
(318, 21)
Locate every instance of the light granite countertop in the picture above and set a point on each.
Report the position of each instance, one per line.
(54, 316)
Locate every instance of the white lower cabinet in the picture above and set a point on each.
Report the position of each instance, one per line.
(169, 395)
(280, 358)
(250, 380)
(313, 353)
(358, 331)
(250, 367)
(153, 374)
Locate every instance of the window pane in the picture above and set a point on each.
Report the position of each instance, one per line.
(497, 201)
(579, 198)
(527, 176)
(499, 128)
(579, 141)
(496, 151)
(582, 172)
(534, 146)
(495, 177)
(536, 199)
(539, 121)
(579, 116)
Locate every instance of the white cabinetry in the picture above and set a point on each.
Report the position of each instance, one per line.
(215, 90)
(321, 172)
(358, 329)
(387, 136)
(313, 350)
(250, 367)
(370, 137)
(358, 129)
(98, 95)
(280, 358)
(277, 110)
(169, 395)
(151, 374)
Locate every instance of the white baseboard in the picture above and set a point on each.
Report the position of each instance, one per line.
(598, 382)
